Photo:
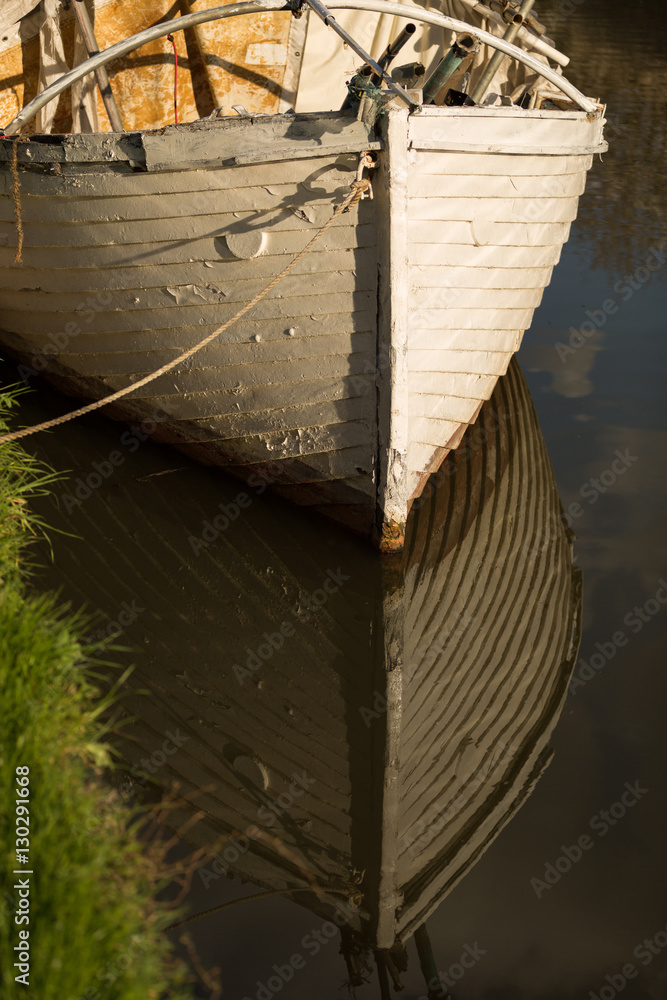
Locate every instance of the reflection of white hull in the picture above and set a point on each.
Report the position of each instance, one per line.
(351, 381)
(418, 698)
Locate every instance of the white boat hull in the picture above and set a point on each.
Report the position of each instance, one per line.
(350, 382)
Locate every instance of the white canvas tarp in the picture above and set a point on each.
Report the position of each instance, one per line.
(12, 11)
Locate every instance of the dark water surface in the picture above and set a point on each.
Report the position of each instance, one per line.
(570, 900)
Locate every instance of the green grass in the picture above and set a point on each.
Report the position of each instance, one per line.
(95, 929)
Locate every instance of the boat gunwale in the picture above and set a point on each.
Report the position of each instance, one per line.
(127, 148)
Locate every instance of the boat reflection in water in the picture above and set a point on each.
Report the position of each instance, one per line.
(359, 729)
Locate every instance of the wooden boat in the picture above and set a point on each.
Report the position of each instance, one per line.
(418, 699)
(347, 385)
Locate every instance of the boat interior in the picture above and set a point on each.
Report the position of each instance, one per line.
(271, 60)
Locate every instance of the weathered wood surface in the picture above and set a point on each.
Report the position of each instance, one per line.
(203, 143)
(294, 380)
(505, 131)
(137, 246)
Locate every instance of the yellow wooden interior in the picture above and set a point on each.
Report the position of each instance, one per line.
(220, 64)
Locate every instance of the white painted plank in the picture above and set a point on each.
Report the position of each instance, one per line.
(101, 183)
(433, 430)
(286, 196)
(480, 232)
(130, 362)
(513, 131)
(470, 319)
(420, 456)
(338, 238)
(473, 362)
(51, 340)
(347, 477)
(444, 407)
(534, 209)
(471, 340)
(393, 318)
(251, 398)
(450, 297)
(89, 280)
(285, 312)
(487, 148)
(489, 186)
(288, 418)
(464, 254)
(271, 445)
(471, 278)
(480, 112)
(206, 291)
(444, 162)
(234, 376)
(276, 222)
(463, 384)
(323, 467)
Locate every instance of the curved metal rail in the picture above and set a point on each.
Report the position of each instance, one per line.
(410, 12)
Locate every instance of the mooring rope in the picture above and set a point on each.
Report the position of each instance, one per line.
(16, 194)
(358, 188)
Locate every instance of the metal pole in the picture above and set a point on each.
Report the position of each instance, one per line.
(463, 46)
(89, 40)
(496, 59)
(395, 47)
(382, 975)
(427, 963)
